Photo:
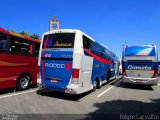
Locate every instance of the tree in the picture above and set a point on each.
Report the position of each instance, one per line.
(35, 36)
(11, 30)
(24, 33)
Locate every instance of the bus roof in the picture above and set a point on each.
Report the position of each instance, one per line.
(68, 31)
(139, 45)
(18, 35)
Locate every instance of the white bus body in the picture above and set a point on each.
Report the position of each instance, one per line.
(70, 61)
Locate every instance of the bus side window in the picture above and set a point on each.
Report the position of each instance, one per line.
(102, 53)
(12, 45)
(24, 47)
(88, 44)
(19, 45)
(3, 42)
(31, 48)
(36, 48)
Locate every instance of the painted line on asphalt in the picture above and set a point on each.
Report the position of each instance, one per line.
(108, 89)
(15, 94)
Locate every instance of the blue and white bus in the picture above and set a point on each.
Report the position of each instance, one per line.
(140, 64)
(70, 61)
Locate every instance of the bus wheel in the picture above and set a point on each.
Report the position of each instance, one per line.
(108, 75)
(99, 85)
(95, 85)
(23, 83)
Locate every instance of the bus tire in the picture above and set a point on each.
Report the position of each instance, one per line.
(123, 83)
(108, 75)
(94, 85)
(23, 82)
(99, 85)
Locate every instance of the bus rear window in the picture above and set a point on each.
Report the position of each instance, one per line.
(140, 51)
(59, 40)
(3, 42)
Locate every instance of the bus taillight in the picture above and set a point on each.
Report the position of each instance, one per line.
(155, 73)
(124, 71)
(75, 76)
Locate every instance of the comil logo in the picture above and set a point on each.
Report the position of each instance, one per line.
(130, 67)
(47, 55)
(66, 66)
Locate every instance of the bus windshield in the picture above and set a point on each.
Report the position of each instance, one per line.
(140, 51)
(59, 40)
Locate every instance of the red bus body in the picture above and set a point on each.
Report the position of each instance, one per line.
(22, 61)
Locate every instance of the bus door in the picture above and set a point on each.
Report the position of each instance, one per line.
(87, 63)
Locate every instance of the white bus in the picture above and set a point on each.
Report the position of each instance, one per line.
(140, 64)
(70, 61)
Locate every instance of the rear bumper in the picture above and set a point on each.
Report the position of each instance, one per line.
(145, 81)
(75, 89)
(72, 89)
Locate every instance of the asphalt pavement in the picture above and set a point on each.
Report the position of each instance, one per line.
(113, 100)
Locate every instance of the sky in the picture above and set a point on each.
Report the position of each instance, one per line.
(113, 23)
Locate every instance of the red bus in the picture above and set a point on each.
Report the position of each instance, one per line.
(18, 60)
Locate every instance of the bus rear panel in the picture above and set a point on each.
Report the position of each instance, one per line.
(140, 64)
(57, 59)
